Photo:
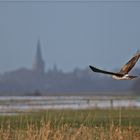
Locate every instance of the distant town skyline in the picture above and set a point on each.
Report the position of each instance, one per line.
(72, 34)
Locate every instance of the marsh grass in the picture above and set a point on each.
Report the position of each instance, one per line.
(91, 124)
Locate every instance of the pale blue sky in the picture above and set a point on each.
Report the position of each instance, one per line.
(72, 34)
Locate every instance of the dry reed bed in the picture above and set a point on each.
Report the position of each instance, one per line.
(66, 132)
(61, 129)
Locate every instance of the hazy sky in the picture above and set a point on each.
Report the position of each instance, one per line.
(72, 34)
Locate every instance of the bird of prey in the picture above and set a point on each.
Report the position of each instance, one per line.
(123, 73)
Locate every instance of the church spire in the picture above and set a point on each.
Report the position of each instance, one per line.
(38, 65)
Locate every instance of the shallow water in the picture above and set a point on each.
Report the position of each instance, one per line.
(18, 104)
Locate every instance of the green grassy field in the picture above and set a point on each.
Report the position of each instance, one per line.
(93, 124)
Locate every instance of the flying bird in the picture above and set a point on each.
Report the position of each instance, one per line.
(123, 73)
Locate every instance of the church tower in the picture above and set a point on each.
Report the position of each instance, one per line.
(38, 64)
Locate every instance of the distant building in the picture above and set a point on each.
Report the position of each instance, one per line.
(38, 63)
(36, 81)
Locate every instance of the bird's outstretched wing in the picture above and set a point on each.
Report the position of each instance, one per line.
(105, 72)
(130, 64)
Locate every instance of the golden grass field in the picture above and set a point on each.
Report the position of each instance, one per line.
(91, 124)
